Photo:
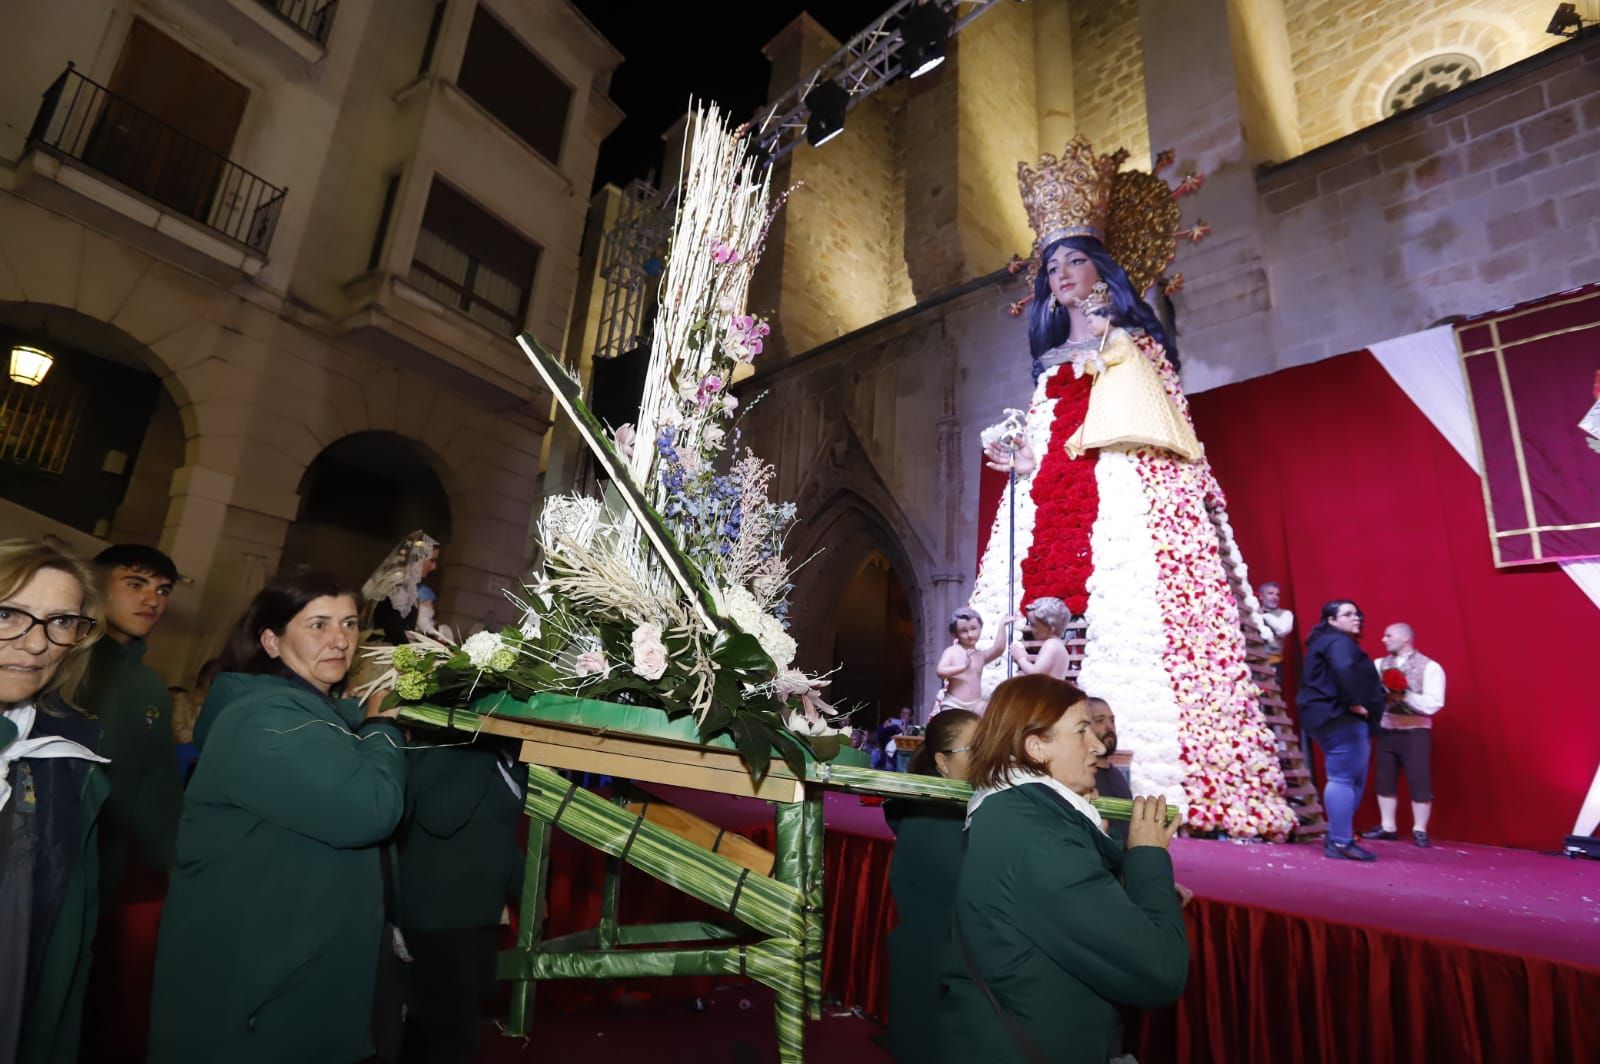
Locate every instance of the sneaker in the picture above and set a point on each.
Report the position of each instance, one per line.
(1348, 851)
(1381, 833)
(1421, 839)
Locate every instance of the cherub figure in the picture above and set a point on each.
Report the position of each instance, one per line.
(961, 665)
(1128, 406)
(1048, 617)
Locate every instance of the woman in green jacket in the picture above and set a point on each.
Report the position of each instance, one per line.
(269, 942)
(922, 877)
(1054, 924)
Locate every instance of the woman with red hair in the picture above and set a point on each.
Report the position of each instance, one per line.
(1055, 924)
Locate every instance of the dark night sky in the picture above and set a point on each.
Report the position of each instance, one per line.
(709, 50)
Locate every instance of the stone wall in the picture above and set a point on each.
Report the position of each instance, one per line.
(1482, 202)
(1108, 78)
(1348, 52)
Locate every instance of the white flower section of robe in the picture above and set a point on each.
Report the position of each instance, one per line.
(989, 593)
(1233, 562)
(1123, 656)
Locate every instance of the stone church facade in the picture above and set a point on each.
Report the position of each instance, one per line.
(1337, 223)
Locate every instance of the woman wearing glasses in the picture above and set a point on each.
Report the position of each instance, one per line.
(50, 797)
(922, 877)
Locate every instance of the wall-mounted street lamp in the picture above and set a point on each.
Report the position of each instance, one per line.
(29, 365)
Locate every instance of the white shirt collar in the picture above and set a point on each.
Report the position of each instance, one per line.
(1017, 777)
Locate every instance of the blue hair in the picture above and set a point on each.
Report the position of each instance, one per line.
(1050, 328)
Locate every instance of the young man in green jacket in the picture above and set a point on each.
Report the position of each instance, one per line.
(138, 830)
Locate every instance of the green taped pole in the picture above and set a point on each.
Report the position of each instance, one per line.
(767, 905)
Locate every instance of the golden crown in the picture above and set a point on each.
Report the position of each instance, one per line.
(1134, 213)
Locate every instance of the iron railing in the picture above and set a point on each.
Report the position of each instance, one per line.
(312, 18)
(85, 121)
(456, 278)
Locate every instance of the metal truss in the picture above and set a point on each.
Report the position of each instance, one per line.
(863, 65)
(629, 254)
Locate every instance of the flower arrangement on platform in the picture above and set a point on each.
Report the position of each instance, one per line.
(672, 591)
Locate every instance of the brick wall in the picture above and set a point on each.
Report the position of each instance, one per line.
(1108, 78)
(1348, 52)
(1487, 200)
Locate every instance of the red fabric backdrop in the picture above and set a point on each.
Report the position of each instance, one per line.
(1338, 486)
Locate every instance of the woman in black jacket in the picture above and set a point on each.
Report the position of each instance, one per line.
(1340, 703)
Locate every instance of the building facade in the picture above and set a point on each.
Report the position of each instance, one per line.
(279, 250)
(1371, 168)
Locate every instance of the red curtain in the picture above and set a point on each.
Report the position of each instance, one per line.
(1268, 986)
(1339, 486)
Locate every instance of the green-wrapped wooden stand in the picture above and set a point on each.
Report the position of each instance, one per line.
(774, 934)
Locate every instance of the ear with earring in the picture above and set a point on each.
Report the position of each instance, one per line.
(1101, 289)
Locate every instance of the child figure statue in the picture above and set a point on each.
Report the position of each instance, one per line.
(961, 665)
(1128, 406)
(1048, 617)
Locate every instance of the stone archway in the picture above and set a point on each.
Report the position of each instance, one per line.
(359, 496)
(874, 644)
(847, 535)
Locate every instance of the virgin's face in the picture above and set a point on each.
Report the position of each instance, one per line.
(320, 642)
(1069, 751)
(1071, 274)
(28, 662)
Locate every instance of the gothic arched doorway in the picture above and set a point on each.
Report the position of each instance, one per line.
(359, 497)
(874, 644)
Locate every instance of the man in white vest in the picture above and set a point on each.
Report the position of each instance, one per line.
(1405, 735)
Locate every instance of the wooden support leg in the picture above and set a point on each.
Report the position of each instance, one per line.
(530, 929)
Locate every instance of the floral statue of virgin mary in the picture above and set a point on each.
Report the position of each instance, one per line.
(1126, 524)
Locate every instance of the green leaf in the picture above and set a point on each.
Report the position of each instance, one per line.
(742, 651)
(716, 720)
(826, 747)
(755, 748)
(793, 749)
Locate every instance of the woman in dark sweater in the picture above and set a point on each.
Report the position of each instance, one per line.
(1340, 703)
(922, 877)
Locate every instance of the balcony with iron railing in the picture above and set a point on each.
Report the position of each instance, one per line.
(313, 19)
(98, 129)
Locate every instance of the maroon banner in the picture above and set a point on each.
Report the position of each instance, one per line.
(1533, 373)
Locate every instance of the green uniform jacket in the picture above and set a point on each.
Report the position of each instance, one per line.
(269, 939)
(135, 712)
(922, 877)
(458, 846)
(1057, 938)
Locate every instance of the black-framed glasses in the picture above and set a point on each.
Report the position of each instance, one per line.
(63, 629)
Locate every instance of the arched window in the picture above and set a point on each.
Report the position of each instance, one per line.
(1432, 77)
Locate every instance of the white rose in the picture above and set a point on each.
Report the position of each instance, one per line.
(480, 647)
(649, 653)
(590, 663)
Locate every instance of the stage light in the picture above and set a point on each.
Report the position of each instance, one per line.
(827, 103)
(1566, 22)
(29, 365)
(924, 33)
